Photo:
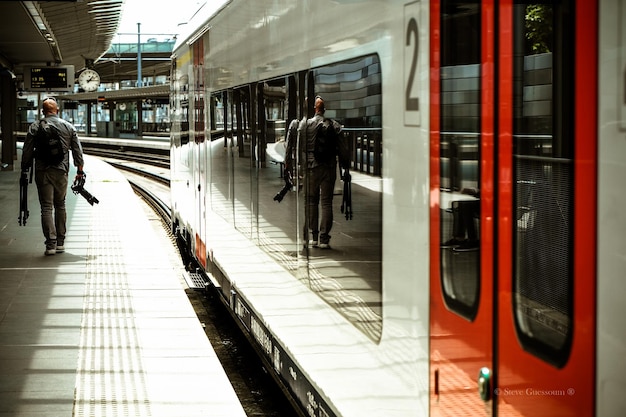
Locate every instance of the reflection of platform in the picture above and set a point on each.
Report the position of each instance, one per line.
(277, 151)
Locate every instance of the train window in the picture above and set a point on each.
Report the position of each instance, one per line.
(217, 115)
(220, 154)
(247, 165)
(180, 96)
(352, 91)
(242, 185)
(543, 178)
(460, 156)
(198, 105)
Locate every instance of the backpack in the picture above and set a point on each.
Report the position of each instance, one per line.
(49, 144)
(326, 142)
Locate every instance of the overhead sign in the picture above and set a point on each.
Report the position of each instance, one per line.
(59, 78)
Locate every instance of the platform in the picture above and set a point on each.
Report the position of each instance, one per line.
(151, 142)
(104, 329)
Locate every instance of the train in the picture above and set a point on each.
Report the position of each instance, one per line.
(480, 273)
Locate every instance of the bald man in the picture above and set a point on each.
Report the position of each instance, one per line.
(52, 179)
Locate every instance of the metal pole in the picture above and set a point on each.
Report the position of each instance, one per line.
(139, 83)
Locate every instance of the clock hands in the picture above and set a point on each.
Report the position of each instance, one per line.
(89, 80)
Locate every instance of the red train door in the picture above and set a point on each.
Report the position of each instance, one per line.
(546, 287)
(462, 137)
(513, 122)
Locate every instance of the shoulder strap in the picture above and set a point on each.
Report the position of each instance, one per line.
(41, 130)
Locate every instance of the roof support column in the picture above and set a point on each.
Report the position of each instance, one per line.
(139, 77)
(8, 102)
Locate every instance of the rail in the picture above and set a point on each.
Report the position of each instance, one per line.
(140, 154)
(162, 209)
(143, 173)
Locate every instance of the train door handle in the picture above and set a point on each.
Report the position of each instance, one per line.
(484, 383)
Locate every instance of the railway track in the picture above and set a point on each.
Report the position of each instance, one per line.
(160, 207)
(153, 157)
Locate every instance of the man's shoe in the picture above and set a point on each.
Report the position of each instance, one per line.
(313, 243)
(49, 252)
(324, 246)
(60, 248)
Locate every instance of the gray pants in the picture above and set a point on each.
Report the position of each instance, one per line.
(52, 189)
(319, 188)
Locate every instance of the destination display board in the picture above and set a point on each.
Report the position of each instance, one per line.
(59, 78)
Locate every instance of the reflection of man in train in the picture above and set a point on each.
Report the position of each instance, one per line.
(319, 178)
(464, 234)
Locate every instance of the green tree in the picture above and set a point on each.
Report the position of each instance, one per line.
(538, 28)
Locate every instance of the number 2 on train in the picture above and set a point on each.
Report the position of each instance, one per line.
(411, 73)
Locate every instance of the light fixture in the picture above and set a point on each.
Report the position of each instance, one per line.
(32, 8)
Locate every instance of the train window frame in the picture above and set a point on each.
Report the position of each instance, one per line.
(364, 72)
(363, 126)
(179, 95)
(541, 327)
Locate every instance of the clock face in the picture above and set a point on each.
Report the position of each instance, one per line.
(89, 80)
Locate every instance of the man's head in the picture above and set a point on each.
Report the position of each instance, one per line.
(50, 106)
(319, 105)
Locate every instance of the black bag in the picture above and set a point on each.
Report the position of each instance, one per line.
(326, 142)
(49, 144)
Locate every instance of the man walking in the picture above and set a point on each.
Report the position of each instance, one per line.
(51, 175)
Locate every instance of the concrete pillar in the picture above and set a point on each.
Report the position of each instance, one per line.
(8, 104)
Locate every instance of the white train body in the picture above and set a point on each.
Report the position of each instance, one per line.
(394, 320)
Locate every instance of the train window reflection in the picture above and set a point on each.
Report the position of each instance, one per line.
(349, 276)
(460, 156)
(248, 148)
(543, 183)
(221, 161)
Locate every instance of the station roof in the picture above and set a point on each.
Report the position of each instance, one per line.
(40, 33)
(56, 32)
